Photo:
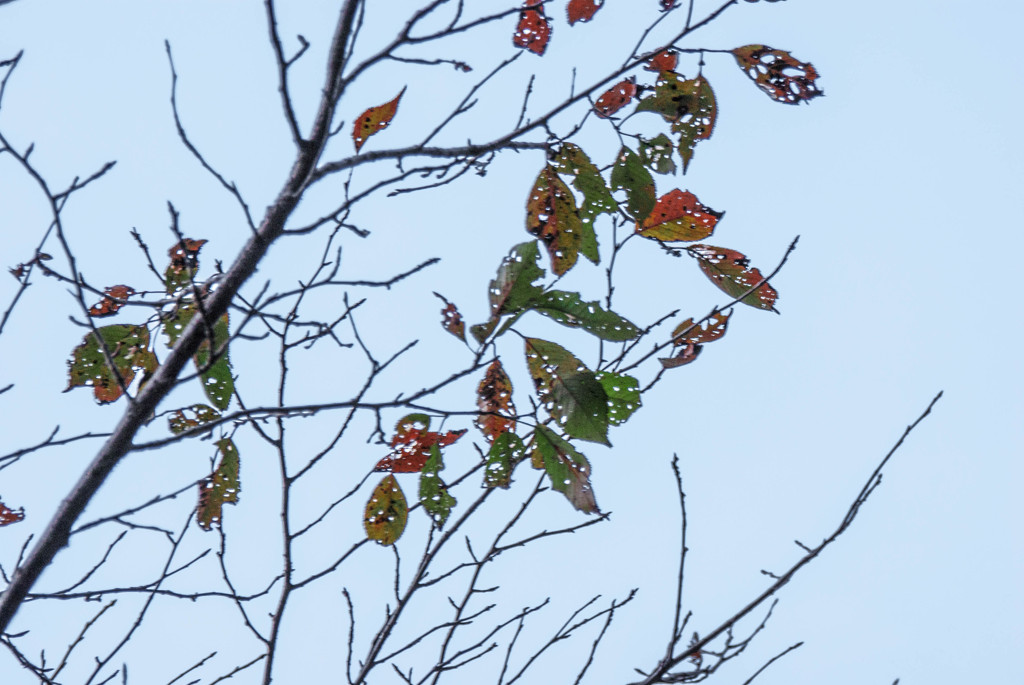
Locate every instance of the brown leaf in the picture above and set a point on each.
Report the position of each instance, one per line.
(9, 516)
(451, 320)
(494, 396)
(731, 271)
(666, 60)
(783, 78)
(109, 305)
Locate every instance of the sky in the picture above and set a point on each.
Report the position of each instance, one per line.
(902, 183)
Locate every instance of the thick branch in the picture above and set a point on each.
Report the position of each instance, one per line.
(58, 531)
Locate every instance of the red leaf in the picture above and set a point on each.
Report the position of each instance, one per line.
(494, 396)
(533, 31)
(412, 443)
(451, 320)
(9, 516)
(678, 215)
(583, 10)
(666, 60)
(731, 271)
(666, 5)
(185, 254)
(374, 120)
(109, 305)
(783, 78)
(615, 98)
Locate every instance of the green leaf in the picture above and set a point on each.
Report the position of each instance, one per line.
(597, 199)
(513, 288)
(222, 487)
(567, 308)
(187, 418)
(218, 384)
(568, 390)
(623, 395)
(629, 174)
(433, 492)
(128, 347)
(551, 216)
(507, 451)
(568, 470)
(656, 154)
(697, 123)
(671, 98)
(731, 271)
(386, 512)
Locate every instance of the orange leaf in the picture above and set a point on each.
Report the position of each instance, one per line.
(615, 98)
(551, 215)
(678, 215)
(583, 10)
(109, 305)
(533, 31)
(9, 516)
(666, 60)
(373, 120)
(412, 442)
(783, 78)
(493, 396)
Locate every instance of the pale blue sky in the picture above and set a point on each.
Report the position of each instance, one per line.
(903, 183)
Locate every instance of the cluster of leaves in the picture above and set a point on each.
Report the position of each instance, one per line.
(563, 205)
(110, 357)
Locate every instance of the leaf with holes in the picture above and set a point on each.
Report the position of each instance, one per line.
(698, 122)
(597, 199)
(386, 512)
(9, 516)
(679, 216)
(615, 98)
(689, 332)
(533, 30)
(656, 154)
(184, 265)
(568, 470)
(217, 381)
(630, 175)
(568, 390)
(551, 216)
(188, 418)
(686, 355)
(128, 347)
(494, 398)
(623, 395)
(434, 495)
(666, 60)
(671, 98)
(513, 288)
(783, 78)
(222, 487)
(451, 320)
(569, 309)
(582, 10)
(112, 301)
(507, 451)
(731, 271)
(374, 120)
(412, 444)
